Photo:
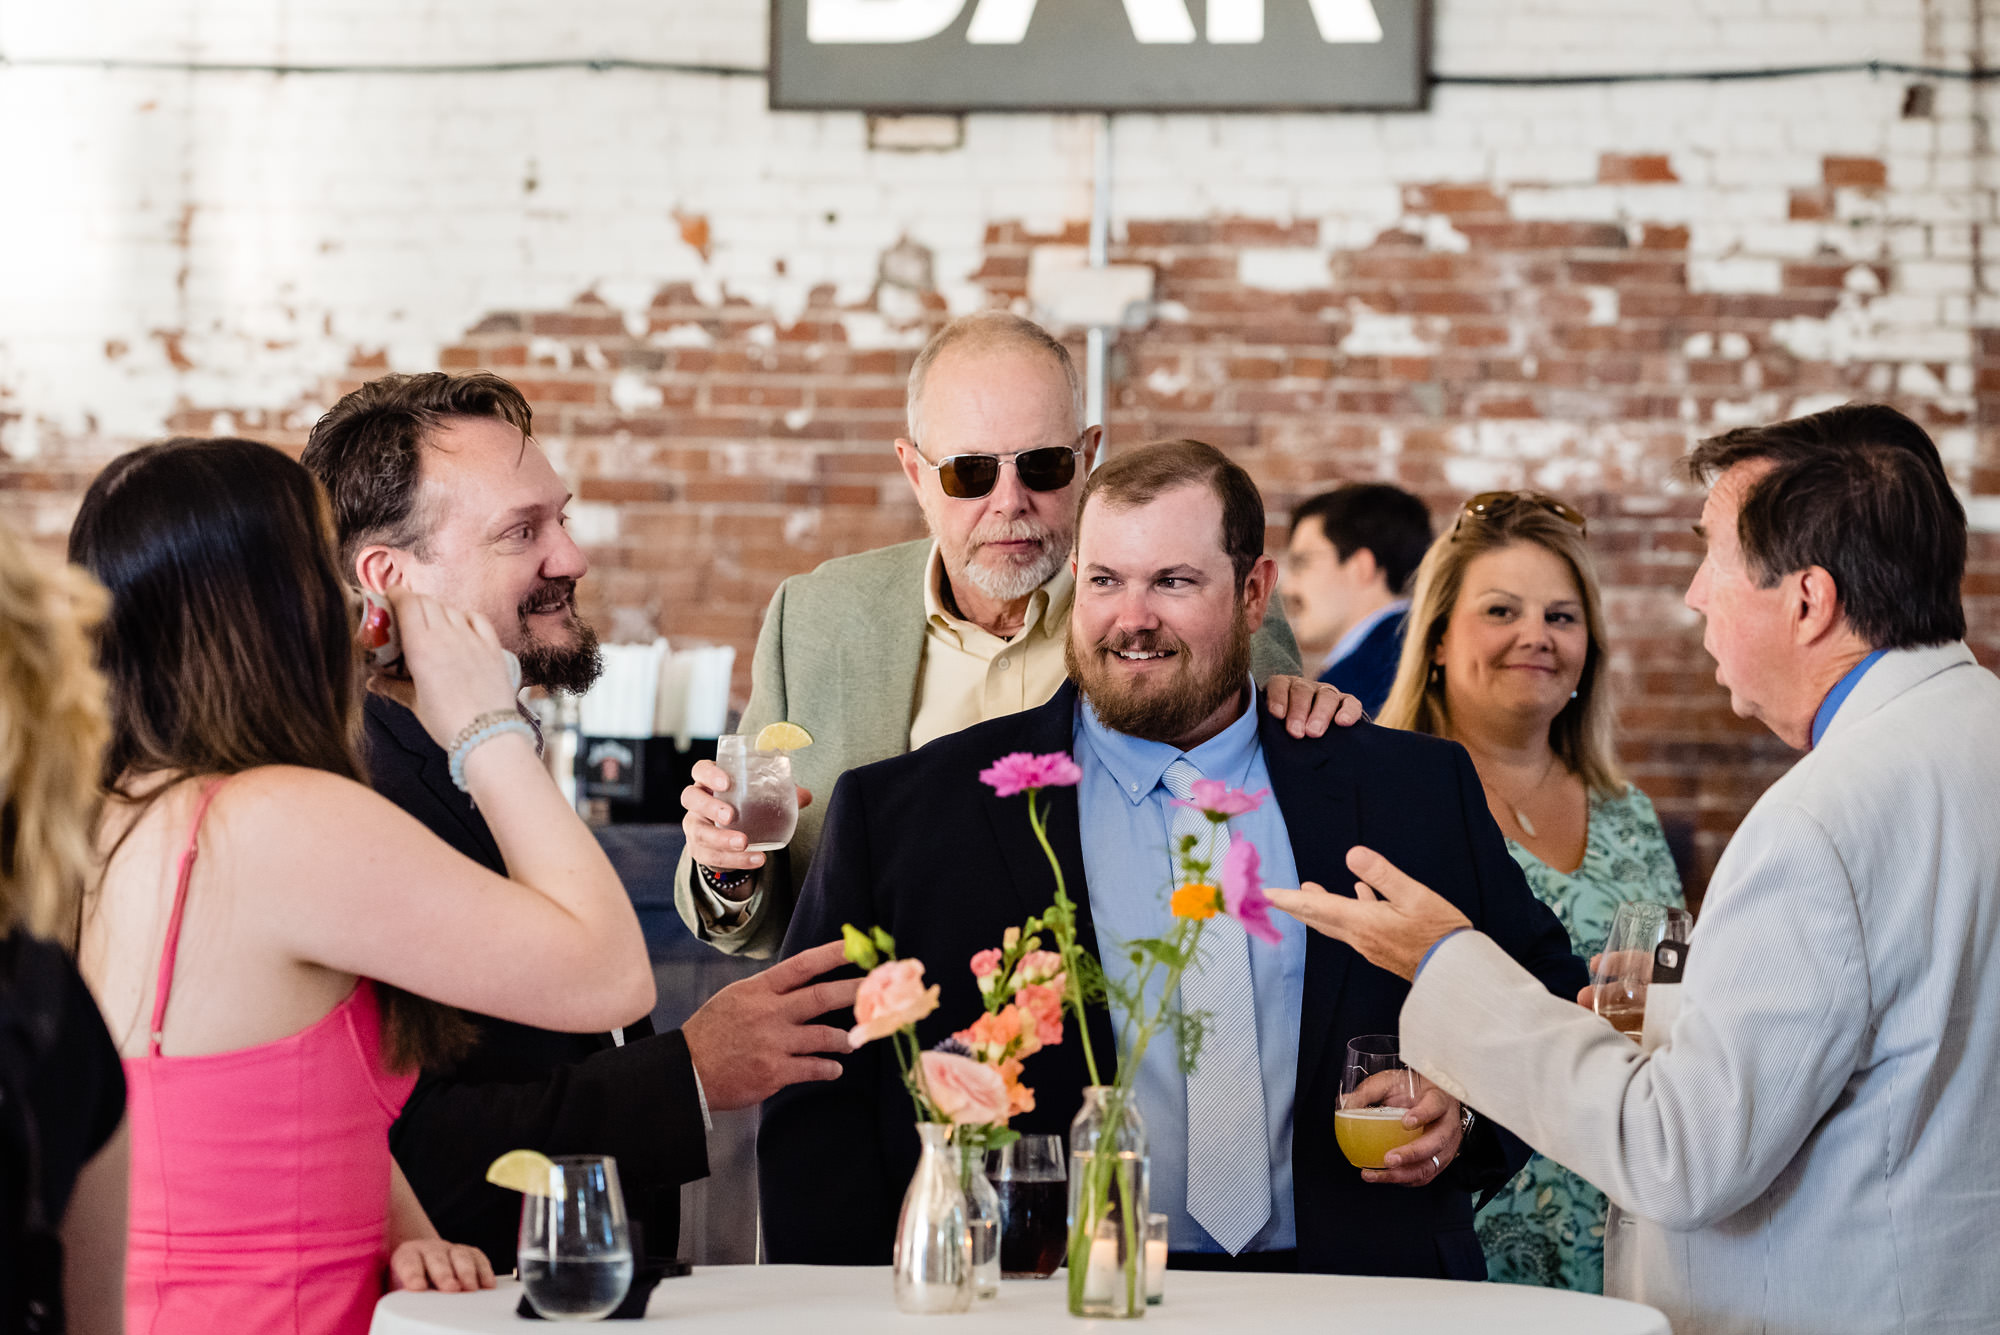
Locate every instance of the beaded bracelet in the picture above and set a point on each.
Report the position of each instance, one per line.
(722, 878)
(483, 729)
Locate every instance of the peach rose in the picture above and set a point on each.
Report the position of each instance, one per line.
(891, 996)
(963, 1090)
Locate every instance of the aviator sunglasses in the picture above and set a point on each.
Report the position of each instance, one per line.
(1491, 504)
(967, 477)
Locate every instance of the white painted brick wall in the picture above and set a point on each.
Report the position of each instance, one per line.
(270, 228)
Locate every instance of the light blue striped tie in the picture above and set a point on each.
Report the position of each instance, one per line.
(1228, 1153)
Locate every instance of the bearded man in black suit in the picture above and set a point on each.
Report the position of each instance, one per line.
(1171, 582)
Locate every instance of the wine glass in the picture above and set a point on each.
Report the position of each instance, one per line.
(1029, 1176)
(576, 1252)
(1376, 1089)
(1623, 969)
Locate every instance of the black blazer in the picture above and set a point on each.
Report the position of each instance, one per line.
(919, 846)
(1370, 670)
(527, 1088)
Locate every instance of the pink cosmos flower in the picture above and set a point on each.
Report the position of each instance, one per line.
(1217, 800)
(1243, 895)
(963, 1090)
(1019, 772)
(891, 996)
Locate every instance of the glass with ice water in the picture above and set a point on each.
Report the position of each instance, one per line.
(576, 1251)
(761, 791)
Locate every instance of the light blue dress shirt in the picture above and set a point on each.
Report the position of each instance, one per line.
(1124, 813)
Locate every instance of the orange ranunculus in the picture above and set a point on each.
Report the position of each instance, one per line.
(1197, 901)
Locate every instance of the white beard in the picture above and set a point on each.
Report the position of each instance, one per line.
(1014, 581)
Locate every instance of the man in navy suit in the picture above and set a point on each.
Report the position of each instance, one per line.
(1348, 566)
(1171, 582)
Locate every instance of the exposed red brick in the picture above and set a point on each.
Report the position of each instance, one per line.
(1453, 199)
(1864, 172)
(1634, 169)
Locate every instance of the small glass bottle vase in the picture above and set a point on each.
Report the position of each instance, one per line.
(982, 1213)
(933, 1238)
(1107, 1206)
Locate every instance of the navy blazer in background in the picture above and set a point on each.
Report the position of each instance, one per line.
(919, 846)
(1369, 671)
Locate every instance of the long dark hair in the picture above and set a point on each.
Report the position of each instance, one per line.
(230, 641)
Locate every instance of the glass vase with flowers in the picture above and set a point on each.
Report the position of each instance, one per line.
(1108, 1156)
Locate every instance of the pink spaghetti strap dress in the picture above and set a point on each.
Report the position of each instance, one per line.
(260, 1178)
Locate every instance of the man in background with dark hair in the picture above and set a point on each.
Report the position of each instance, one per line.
(1348, 566)
(1803, 1140)
(438, 485)
(1171, 585)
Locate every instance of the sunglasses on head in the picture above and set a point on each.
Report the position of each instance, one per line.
(1492, 504)
(967, 477)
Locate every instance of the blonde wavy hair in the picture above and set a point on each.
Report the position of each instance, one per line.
(1583, 734)
(53, 727)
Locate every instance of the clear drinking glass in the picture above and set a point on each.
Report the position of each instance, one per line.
(761, 791)
(1376, 1089)
(1029, 1176)
(576, 1253)
(1622, 971)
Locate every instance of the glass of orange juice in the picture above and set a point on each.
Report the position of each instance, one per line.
(1376, 1089)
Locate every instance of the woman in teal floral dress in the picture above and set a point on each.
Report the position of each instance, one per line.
(1505, 656)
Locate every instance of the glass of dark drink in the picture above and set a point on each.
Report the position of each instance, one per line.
(1031, 1178)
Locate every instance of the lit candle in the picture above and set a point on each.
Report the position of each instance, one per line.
(1097, 1282)
(1156, 1269)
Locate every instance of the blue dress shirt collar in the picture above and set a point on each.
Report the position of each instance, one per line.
(1137, 764)
(1838, 695)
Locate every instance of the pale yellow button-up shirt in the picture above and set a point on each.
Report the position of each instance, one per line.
(969, 675)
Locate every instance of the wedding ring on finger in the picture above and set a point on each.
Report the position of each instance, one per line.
(1436, 1167)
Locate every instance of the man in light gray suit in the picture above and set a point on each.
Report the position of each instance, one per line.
(878, 653)
(1804, 1141)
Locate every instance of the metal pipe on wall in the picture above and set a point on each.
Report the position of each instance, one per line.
(1097, 340)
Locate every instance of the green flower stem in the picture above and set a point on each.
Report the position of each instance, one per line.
(1065, 934)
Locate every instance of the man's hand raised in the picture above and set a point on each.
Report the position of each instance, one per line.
(756, 1036)
(1393, 919)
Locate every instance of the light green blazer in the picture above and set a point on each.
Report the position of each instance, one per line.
(839, 654)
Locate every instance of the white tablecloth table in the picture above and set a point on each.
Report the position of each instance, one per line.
(848, 1300)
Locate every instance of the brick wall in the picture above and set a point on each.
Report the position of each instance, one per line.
(713, 306)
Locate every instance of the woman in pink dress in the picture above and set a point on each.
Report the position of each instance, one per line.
(267, 929)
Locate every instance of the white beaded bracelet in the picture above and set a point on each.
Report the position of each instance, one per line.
(483, 729)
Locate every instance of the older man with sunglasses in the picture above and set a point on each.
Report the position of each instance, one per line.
(879, 653)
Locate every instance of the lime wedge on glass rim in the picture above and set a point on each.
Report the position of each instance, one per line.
(783, 737)
(524, 1171)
